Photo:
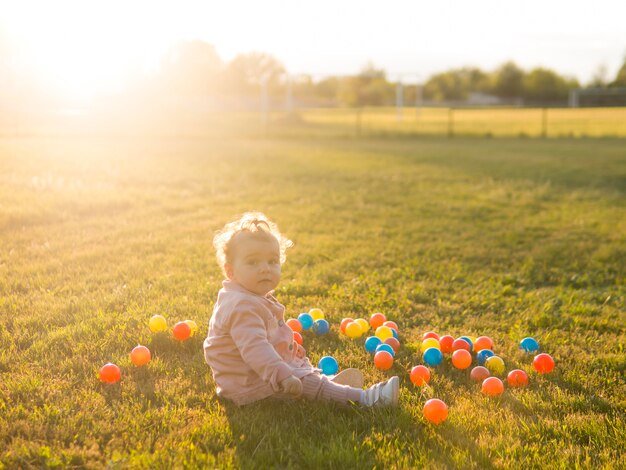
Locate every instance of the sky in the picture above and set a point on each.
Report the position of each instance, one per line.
(91, 45)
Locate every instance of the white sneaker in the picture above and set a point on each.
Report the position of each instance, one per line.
(352, 377)
(383, 393)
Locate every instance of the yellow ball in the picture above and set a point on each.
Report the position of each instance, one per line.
(472, 339)
(316, 313)
(430, 343)
(353, 330)
(384, 332)
(365, 326)
(157, 323)
(193, 325)
(495, 365)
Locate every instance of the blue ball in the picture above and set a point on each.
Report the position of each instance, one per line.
(395, 333)
(433, 357)
(305, 320)
(482, 355)
(321, 327)
(329, 365)
(385, 347)
(529, 344)
(372, 342)
(468, 341)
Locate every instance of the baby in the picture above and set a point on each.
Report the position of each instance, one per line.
(250, 349)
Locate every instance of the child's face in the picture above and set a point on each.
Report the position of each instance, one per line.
(256, 263)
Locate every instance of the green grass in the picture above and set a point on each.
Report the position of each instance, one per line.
(507, 238)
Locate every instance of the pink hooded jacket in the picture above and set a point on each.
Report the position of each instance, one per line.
(249, 347)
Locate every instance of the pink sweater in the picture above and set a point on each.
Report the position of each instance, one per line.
(249, 347)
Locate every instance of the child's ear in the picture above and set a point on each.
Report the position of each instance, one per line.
(228, 268)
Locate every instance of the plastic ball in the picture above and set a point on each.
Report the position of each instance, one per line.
(394, 343)
(483, 342)
(321, 327)
(110, 373)
(394, 333)
(385, 347)
(435, 411)
(445, 343)
(430, 334)
(377, 319)
(294, 324)
(460, 344)
(353, 330)
(429, 343)
(481, 356)
(305, 320)
(157, 323)
(140, 355)
(420, 375)
(329, 365)
(495, 364)
(543, 363)
(391, 324)
(372, 343)
(365, 327)
(344, 323)
(433, 357)
(479, 373)
(297, 337)
(317, 314)
(384, 332)
(461, 359)
(383, 360)
(193, 325)
(492, 386)
(181, 331)
(469, 341)
(529, 344)
(517, 378)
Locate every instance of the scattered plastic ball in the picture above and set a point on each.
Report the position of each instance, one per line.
(306, 320)
(383, 360)
(469, 341)
(321, 327)
(435, 411)
(430, 343)
(377, 319)
(461, 344)
(353, 330)
(543, 363)
(193, 325)
(384, 332)
(492, 386)
(517, 378)
(329, 365)
(430, 334)
(181, 331)
(495, 364)
(461, 358)
(529, 344)
(372, 343)
(344, 323)
(110, 373)
(297, 337)
(394, 343)
(481, 356)
(445, 343)
(483, 342)
(479, 373)
(394, 333)
(391, 324)
(140, 355)
(433, 357)
(317, 314)
(157, 323)
(420, 375)
(294, 324)
(385, 347)
(365, 327)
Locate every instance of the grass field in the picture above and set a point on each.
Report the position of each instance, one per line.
(504, 237)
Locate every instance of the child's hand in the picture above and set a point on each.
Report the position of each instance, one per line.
(300, 351)
(292, 386)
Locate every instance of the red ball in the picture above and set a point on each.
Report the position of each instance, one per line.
(420, 375)
(543, 363)
(110, 373)
(140, 355)
(483, 342)
(344, 323)
(461, 359)
(430, 334)
(493, 386)
(297, 337)
(435, 411)
(393, 342)
(391, 325)
(181, 331)
(294, 324)
(377, 319)
(479, 373)
(517, 378)
(383, 360)
(460, 344)
(445, 343)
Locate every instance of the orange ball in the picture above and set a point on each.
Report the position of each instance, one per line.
(483, 342)
(492, 386)
(294, 324)
(517, 378)
(394, 343)
(297, 337)
(377, 319)
(110, 373)
(140, 355)
(392, 325)
(435, 411)
(479, 373)
(461, 359)
(445, 343)
(344, 323)
(543, 363)
(430, 334)
(383, 360)
(460, 344)
(181, 331)
(420, 375)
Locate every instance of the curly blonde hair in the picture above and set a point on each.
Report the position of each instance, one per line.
(255, 223)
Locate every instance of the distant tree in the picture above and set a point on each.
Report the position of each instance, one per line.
(599, 78)
(545, 85)
(246, 72)
(456, 84)
(369, 88)
(191, 68)
(620, 78)
(327, 88)
(508, 81)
